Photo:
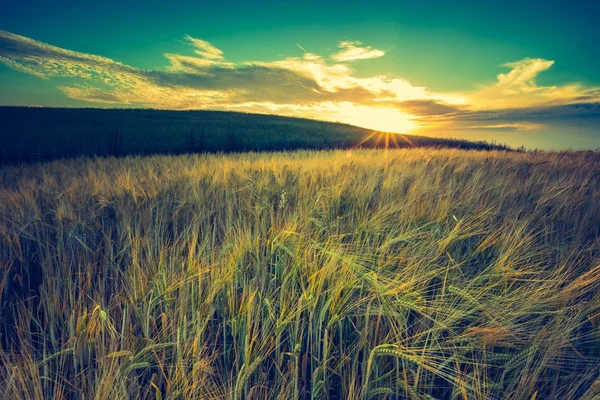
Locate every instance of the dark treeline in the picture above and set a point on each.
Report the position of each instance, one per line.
(39, 134)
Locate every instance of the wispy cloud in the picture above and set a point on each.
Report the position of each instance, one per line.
(518, 88)
(351, 51)
(205, 49)
(301, 48)
(309, 86)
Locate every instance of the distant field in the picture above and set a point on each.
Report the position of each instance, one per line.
(370, 274)
(39, 134)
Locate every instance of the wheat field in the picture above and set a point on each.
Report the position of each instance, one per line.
(367, 274)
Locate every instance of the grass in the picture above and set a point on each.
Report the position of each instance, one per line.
(42, 134)
(401, 274)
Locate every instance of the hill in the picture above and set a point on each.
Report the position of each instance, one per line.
(39, 134)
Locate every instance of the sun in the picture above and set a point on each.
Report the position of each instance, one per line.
(384, 119)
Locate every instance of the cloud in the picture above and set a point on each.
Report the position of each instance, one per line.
(301, 48)
(427, 107)
(515, 102)
(518, 88)
(308, 86)
(88, 93)
(45, 60)
(505, 127)
(205, 49)
(543, 113)
(523, 74)
(352, 51)
(566, 116)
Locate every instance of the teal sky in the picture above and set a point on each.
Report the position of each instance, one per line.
(453, 50)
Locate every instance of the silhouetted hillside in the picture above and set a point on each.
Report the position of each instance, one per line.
(37, 134)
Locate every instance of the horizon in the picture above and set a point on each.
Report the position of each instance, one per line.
(492, 142)
(527, 78)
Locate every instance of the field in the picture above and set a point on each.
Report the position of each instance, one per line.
(365, 274)
(40, 134)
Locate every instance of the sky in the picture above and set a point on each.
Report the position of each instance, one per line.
(515, 72)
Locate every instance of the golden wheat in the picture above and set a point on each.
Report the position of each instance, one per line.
(414, 273)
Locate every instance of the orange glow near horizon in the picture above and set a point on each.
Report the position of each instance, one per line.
(377, 118)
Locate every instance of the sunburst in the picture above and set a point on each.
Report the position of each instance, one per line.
(390, 140)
